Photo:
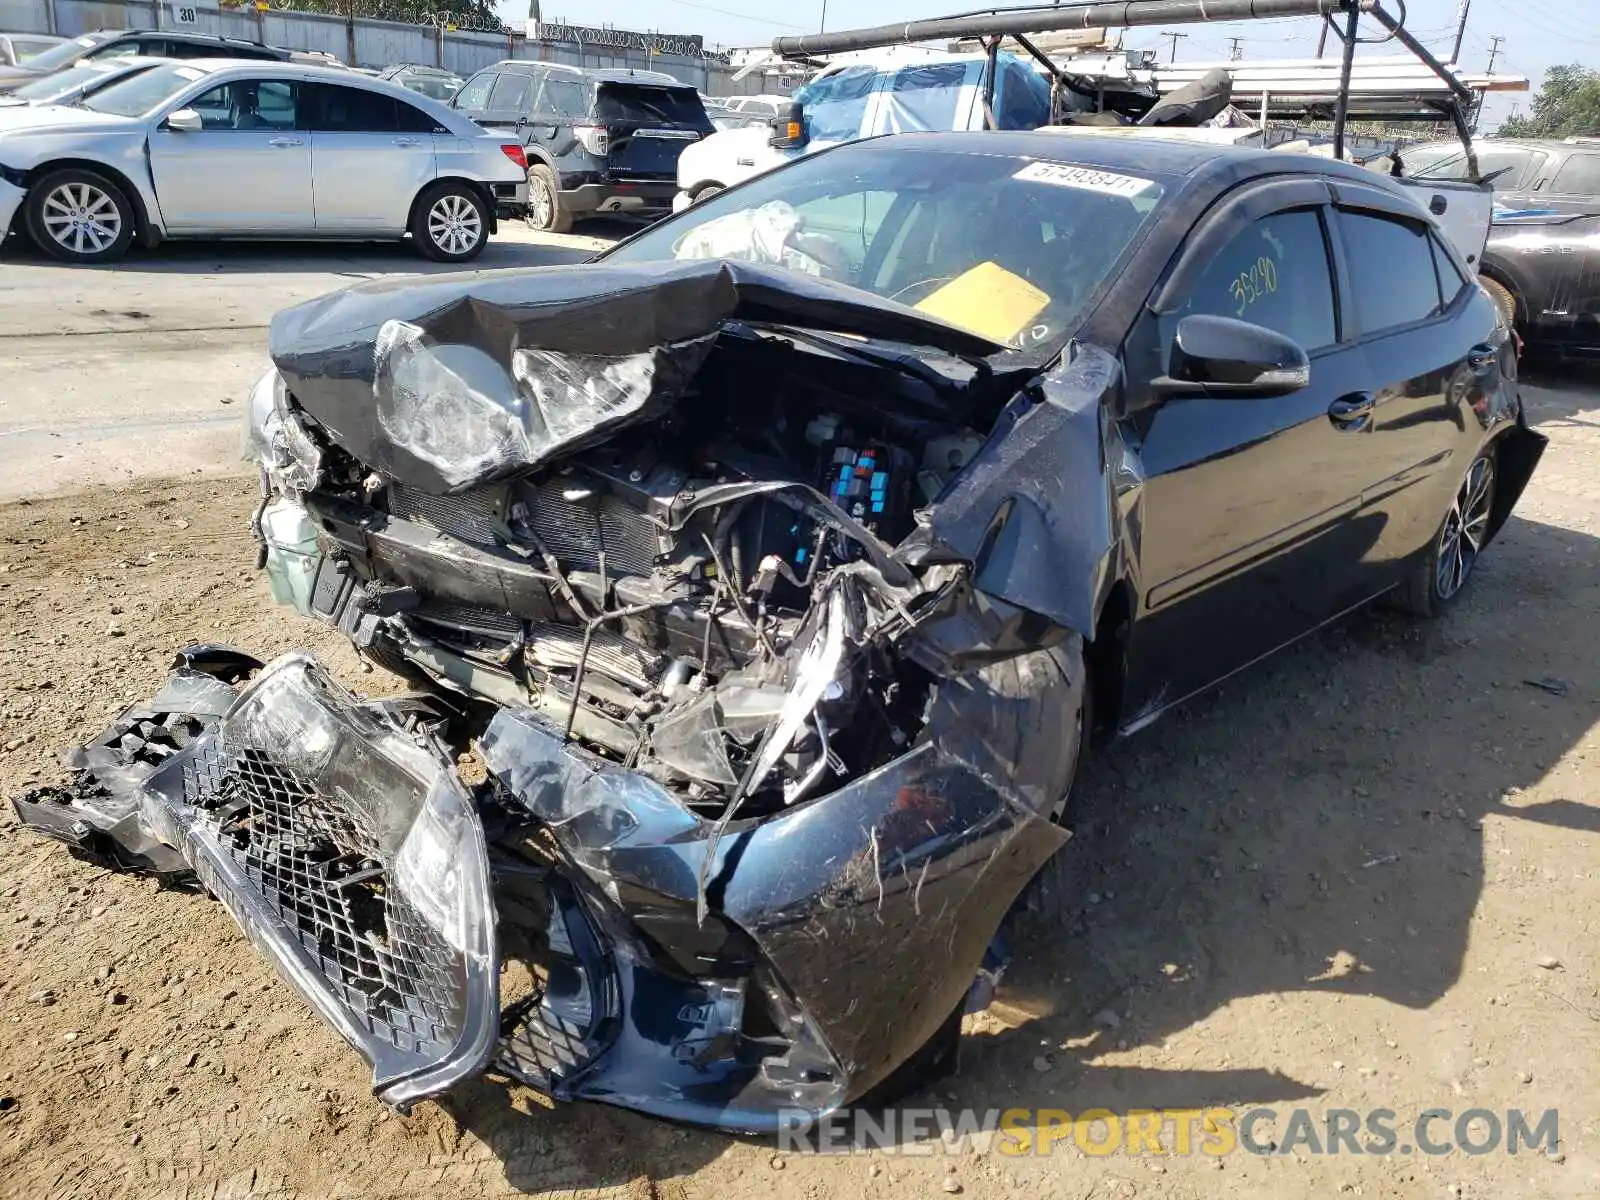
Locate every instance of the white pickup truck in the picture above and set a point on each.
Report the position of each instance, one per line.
(899, 89)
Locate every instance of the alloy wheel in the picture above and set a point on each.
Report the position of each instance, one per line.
(541, 205)
(82, 218)
(455, 224)
(1465, 527)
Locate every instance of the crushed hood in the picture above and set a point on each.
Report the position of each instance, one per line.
(452, 382)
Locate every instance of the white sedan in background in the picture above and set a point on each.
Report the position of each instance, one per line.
(225, 148)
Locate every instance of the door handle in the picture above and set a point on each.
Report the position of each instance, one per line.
(1483, 357)
(405, 141)
(1352, 412)
(283, 141)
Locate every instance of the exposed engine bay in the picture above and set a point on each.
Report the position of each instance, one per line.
(681, 565)
(702, 563)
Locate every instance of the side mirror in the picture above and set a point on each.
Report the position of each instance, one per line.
(788, 127)
(184, 120)
(1225, 358)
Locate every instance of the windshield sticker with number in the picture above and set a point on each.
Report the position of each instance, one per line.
(1085, 178)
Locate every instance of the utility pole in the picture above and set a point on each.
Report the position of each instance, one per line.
(1494, 52)
(1461, 29)
(1234, 54)
(1173, 57)
(822, 25)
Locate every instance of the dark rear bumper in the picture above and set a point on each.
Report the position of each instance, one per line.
(618, 196)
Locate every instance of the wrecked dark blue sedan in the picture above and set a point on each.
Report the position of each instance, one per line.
(773, 572)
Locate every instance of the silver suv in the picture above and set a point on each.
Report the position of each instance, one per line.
(224, 148)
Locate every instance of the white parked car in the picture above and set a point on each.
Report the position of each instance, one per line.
(227, 148)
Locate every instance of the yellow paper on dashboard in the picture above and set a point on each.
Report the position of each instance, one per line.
(988, 300)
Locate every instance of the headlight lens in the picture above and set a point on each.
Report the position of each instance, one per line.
(276, 438)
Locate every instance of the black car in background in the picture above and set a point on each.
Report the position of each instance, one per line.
(597, 141)
(1542, 263)
(146, 43)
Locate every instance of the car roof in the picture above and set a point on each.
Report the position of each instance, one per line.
(598, 74)
(1175, 163)
(1144, 156)
(184, 35)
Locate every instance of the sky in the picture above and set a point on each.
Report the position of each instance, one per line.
(1538, 33)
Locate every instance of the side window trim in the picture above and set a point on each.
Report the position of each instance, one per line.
(1230, 214)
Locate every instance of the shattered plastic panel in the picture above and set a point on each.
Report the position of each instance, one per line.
(456, 381)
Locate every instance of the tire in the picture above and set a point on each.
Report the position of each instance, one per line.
(80, 216)
(450, 223)
(1503, 300)
(708, 191)
(545, 213)
(1442, 573)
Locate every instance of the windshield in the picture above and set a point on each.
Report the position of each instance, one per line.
(650, 105)
(1504, 164)
(920, 225)
(145, 91)
(432, 86)
(57, 57)
(60, 83)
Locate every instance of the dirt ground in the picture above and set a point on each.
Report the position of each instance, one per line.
(1362, 875)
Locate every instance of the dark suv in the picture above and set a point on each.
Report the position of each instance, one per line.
(1542, 263)
(597, 141)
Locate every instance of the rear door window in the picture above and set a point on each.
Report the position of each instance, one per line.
(1391, 271)
(475, 93)
(1451, 280)
(1579, 176)
(334, 109)
(567, 98)
(513, 93)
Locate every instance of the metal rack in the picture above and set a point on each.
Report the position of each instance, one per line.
(1453, 102)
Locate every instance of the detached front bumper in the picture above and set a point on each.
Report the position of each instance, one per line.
(565, 947)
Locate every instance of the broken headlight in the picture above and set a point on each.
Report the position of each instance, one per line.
(276, 438)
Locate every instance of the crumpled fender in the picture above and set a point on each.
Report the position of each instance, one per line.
(1033, 510)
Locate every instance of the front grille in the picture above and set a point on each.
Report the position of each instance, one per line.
(577, 529)
(473, 517)
(315, 859)
(350, 853)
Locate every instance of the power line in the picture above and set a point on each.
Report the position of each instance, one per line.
(1234, 52)
(1494, 51)
(1173, 57)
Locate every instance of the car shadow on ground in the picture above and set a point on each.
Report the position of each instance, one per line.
(354, 258)
(1556, 392)
(1314, 825)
